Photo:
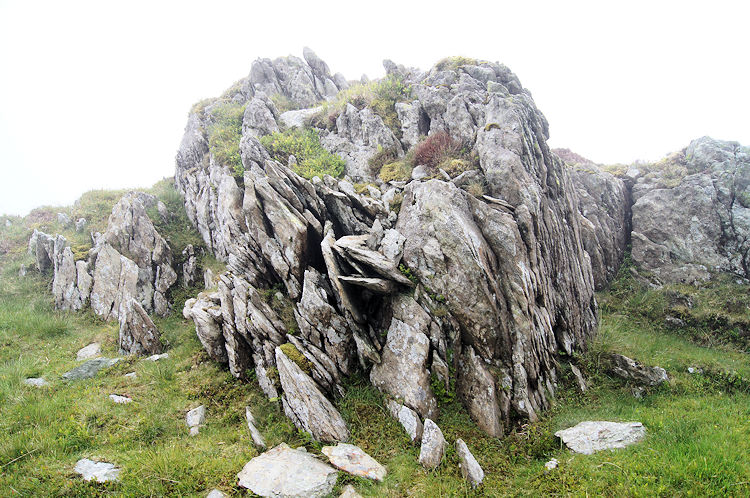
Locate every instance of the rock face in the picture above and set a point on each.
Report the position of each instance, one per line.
(478, 292)
(686, 228)
(285, 472)
(590, 437)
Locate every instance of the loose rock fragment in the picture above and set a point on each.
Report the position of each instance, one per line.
(36, 382)
(91, 351)
(352, 459)
(120, 399)
(254, 432)
(195, 418)
(552, 464)
(349, 492)
(408, 419)
(589, 437)
(628, 369)
(89, 369)
(99, 471)
(470, 468)
(157, 357)
(433, 445)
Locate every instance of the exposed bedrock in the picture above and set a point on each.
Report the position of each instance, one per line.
(411, 283)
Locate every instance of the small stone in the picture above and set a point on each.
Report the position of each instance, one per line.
(80, 224)
(552, 464)
(194, 431)
(22, 271)
(408, 419)
(283, 471)
(99, 471)
(352, 459)
(196, 417)
(254, 432)
(433, 445)
(349, 492)
(120, 399)
(36, 382)
(629, 369)
(89, 369)
(91, 351)
(208, 278)
(157, 357)
(215, 493)
(131, 375)
(470, 468)
(579, 378)
(589, 437)
(695, 370)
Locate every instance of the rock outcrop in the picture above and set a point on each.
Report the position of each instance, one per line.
(405, 281)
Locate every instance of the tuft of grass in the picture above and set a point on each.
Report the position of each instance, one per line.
(455, 63)
(399, 171)
(304, 145)
(291, 351)
(224, 133)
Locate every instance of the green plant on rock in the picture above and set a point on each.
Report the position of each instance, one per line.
(399, 171)
(291, 352)
(224, 134)
(304, 144)
(454, 63)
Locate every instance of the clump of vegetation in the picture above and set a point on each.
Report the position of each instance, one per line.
(291, 351)
(381, 96)
(477, 189)
(304, 145)
(224, 134)
(399, 171)
(364, 188)
(406, 271)
(283, 103)
(454, 63)
(382, 157)
(436, 149)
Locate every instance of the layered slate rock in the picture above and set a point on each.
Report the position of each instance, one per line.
(498, 284)
(592, 436)
(283, 471)
(629, 369)
(89, 369)
(138, 334)
(686, 228)
(353, 460)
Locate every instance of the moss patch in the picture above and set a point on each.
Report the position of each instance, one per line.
(304, 145)
(293, 354)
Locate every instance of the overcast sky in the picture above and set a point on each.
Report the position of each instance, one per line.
(96, 94)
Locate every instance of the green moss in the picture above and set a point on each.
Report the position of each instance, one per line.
(399, 171)
(293, 354)
(362, 188)
(406, 271)
(224, 134)
(455, 167)
(304, 145)
(491, 126)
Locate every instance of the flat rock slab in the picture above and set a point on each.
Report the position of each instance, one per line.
(120, 399)
(89, 369)
(157, 357)
(254, 432)
(354, 460)
(36, 382)
(91, 351)
(589, 437)
(286, 472)
(99, 471)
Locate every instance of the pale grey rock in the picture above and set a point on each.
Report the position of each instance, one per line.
(629, 369)
(157, 357)
(308, 408)
(552, 464)
(91, 351)
(115, 280)
(589, 437)
(353, 460)
(298, 118)
(408, 419)
(206, 314)
(420, 172)
(97, 471)
(209, 280)
(286, 472)
(89, 369)
(259, 117)
(22, 271)
(414, 123)
(189, 266)
(131, 375)
(42, 247)
(433, 445)
(63, 219)
(195, 418)
(80, 224)
(215, 493)
(36, 382)
(65, 288)
(579, 378)
(478, 388)
(254, 432)
(349, 492)
(120, 400)
(138, 333)
(470, 468)
(354, 249)
(377, 285)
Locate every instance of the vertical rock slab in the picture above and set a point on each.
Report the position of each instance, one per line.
(138, 334)
(115, 281)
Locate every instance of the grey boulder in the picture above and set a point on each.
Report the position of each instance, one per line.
(589, 437)
(433, 445)
(353, 460)
(470, 468)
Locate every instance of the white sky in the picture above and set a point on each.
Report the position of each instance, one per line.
(96, 94)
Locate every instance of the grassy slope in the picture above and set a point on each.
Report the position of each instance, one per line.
(698, 426)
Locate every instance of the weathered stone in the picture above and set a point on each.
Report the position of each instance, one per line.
(590, 437)
(470, 468)
(63, 219)
(98, 471)
(115, 281)
(80, 224)
(131, 375)
(138, 334)
(552, 464)
(352, 459)
(379, 285)
(286, 472)
(628, 369)
(91, 351)
(408, 419)
(433, 445)
(120, 400)
(189, 266)
(579, 378)
(254, 432)
(215, 493)
(157, 357)
(89, 369)
(299, 117)
(36, 382)
(206, 314)
(349, 492)
(195, 418)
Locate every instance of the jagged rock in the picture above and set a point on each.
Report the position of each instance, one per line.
(115, 281)
(189, 266)
(477, 385)
(36, 382)
(286, 472)
(414, 122)
(579, 378)
(299, 117)
(80, 224)
(260, 116)
(433, 445)
(378, 285)
(254, 432)
(703, 220)
(628, 369)
(98, 471)
(89, 369)
(604, 204)
(91, 351)
(353, 460)
(590, 437)
(195, 418)
(349, 492)
(354, 249)
(402, 372)
(138, 334)
(131, 232)
(63, 219)
(22, 271)
(209, 280)
(206, 314)
(408, 419)
(306, 405)
(120, 400)
(470, 469)
(42, 247)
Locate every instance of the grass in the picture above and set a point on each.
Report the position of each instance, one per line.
(312, 159)
(698, 425)
(224, 133)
